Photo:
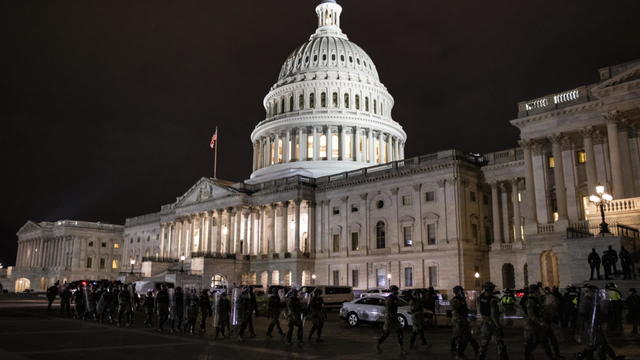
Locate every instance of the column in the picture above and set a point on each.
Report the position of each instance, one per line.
(311, 227)
(389, 148)
(356, 153)
(342, 144)
(401, 150)
(297, 248)
(497, 235)
(372, 148)
(218, 246)
(504, 197)
(396, 150)
(301, 154)
(162, 232)
(558, 176)
(284, 229)
(272, 240)
(329, 138)
(230, 230)
(380, 148)
(612, 119)
(531, 217)
(516, 210)
(276, 141)
(245, 236)
(316, 144)
(253, 164)
(238, 232)
(285, 145)
(267, 153)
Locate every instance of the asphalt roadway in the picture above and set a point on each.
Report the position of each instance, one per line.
(29, 331)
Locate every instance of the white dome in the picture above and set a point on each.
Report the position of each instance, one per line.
(328, 111)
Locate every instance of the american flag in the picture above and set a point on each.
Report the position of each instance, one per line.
(214, 139)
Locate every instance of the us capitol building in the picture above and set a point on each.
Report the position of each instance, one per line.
(333, 200)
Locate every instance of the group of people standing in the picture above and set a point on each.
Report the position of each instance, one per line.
(609, 261)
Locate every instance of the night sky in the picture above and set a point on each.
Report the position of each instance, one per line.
(108, 106)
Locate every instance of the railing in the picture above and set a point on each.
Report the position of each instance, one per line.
(143, 219)
(159, 259)
(545, 228)
(553, 101)
(506, 156)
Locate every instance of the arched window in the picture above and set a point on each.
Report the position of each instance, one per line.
(380, 235)
(375, 106)
(312, 100)
(282, 105)
(381, 111)
(323, 99)
(301, 102)
(366, 103)
(291, 103)
(333, 57)
(334, 100)
(324, 57)
(342, 58)
(357, 102)
(346, 101)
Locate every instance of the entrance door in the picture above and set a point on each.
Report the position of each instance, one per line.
(549, 268)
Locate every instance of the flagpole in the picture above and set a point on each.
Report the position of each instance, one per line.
(215, 156)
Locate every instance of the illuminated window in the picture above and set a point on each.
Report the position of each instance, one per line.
(335, 151)
(346, 101)
(115, 264)
(357, 102)
(271, 154)
(582, 157)
(296, 156)
(116, 246)
(555, 216)
(519, 197)
(323, 99)
(280, 149)
(552, 162)
(334, 99)
(323, 146)
(384, 152)
(348, 145)
(312, 100)
(377, 152)
(309, 146)
(406, 235)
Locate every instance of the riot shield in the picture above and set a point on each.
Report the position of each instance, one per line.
(89, 299)
(592, 306)
(235, 306)
(283, 296)
(171, 293)
(102, 302)
(216, 310)
(472, 302)
(304, 307)
(187, 301)
(132, 297)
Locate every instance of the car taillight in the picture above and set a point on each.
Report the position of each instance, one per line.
(520, 294)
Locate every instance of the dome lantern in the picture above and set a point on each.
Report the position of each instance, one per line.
(328, 12)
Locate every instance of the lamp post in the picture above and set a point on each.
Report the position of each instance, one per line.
(182, 263)
(313, 279)
(132, 262)
(388, 280)
(600, 199)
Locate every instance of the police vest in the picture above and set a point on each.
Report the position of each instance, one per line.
(614, 295)
(508, 300)
(485, 305)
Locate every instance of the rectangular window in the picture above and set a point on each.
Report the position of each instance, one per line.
(354, 278)
(406, 200)
(433, 276)
(336, 210)
(381, 278)
(335, 99)
(280, 150)
(336, 242)
(309, 146)
(429, 196)
(336, 277)
(103, 263)
(104, 244)
(116, 246)
(582, 157)
(474, 231)
(115, 264)
(472, 196)
(89, 262)
(552, 162)
(355, 246)
(406, 234)
(354, 208)
(431, 234)
(408, 276)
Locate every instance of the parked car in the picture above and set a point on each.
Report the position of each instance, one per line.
(382, 292)
(333, 296)
(370, 309)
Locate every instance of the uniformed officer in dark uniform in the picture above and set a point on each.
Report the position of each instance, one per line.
(245, 311)
(124, 306)
(391, 323)
(148, 305)
(274, 309)
(294, 316)
(317, 314)
(417, 318)
(178, 317)
(594, 263)
(491, 328)
(633, 306)
(535, 330)
(162, 306)
(460, 324)
(205, 309)
(224, 309)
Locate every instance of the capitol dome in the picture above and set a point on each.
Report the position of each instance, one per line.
(328, 112)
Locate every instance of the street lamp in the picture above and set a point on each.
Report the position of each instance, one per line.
(182, 263)
(600, 199)
(476, 275)
(313, 279)
(132, 262)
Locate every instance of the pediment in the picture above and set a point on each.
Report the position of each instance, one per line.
(206, 189)
(630, 74)
(28, 227)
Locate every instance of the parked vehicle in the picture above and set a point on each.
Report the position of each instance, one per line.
(370, 309)
(333, 296)
(382, 292)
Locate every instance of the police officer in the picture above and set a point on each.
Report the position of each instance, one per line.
(615, 308)
(570, 308)
(491, 327)
(391, 323)
(317, 314)
(633, 308)
(104, 305)
(508, 301)
(178, 315)
(254, 309)
(78, 303)
(65, 300)
(626, 263)
(124, 306)
(534, 329)
(224, 310)
(274, 309)
(162, 306)
(148, 306)
(430, 299)
(460, 324)
(205, 309)
(551, 315)
(294, 316)
(192, 312)
(594, 263)
(417, 318)
(52, 292)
